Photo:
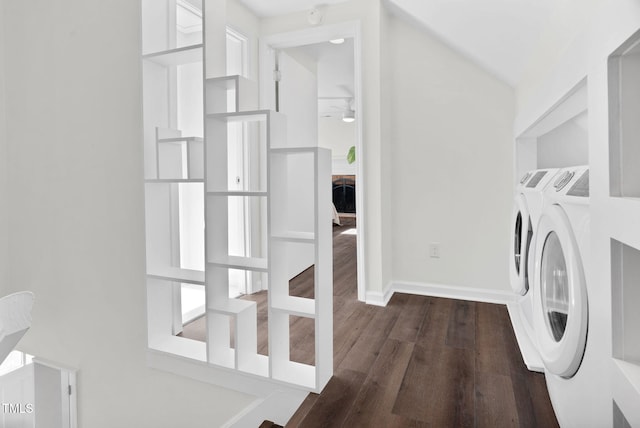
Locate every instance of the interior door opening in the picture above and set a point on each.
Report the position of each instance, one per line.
(334, 60)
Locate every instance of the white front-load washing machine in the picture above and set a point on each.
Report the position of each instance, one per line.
(572, 363)
(527, 209)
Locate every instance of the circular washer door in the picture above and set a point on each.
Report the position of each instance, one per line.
(560, 294)
(521, 236)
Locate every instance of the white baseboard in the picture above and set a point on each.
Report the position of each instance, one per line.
(377, 298)
(439, 290)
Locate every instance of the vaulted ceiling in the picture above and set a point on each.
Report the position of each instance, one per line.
(499, 35)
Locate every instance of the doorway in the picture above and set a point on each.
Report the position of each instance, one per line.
(343, 102)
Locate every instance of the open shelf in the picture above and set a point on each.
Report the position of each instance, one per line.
(236, 152)
(624, 129)
(231, 306)
(176, 274)
(292, 305)
(237, 193)
(222, 217)
(625, 287)
(625, 381)
(287, 346)
(173, 180)
(237, 262)
(292, 236)
(177, 56)
(619, 420)
(177, 156)
(164, 323)
(229, 94)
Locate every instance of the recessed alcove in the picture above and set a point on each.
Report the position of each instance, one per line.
(619, 420)
(560, 136)
(625, 287)
(624, 126)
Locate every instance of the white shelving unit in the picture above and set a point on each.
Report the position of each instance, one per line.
(231, 94)
(249, 179)
(286, 238)
(623, 208)
(174, 168)
(265, 133)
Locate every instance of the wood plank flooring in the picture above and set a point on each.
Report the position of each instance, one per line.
(418, 362)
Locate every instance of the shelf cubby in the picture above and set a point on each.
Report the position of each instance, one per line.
(172, 221)
(283, 367)
(619, 419)
(292, 178)
(229, 94)
(624, 129)
(233, 335)
(162, 322)
(290, 259)
(237, 151)
(170, 23)
(625, 285)
(222, 219)
(178, 156)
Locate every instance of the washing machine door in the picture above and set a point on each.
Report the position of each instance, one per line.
(521, 237)
(560, 294)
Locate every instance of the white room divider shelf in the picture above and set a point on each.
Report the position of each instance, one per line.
(248, 179)
(265, 135)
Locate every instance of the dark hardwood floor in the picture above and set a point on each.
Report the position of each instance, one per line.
(418, 362)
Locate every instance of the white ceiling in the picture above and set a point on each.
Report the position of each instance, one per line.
(499, 35)
(282, 7)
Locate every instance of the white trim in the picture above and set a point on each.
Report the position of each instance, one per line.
(278, 407)
(378, 298)
(322, 33)
(439, 290)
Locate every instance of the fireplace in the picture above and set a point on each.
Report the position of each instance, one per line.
(344, 193)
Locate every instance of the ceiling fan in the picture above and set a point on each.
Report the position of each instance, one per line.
(336, 107)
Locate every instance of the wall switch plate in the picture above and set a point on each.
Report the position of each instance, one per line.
(434, 250)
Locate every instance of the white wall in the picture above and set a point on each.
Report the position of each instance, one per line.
(338, 136)
(566, 145)
(4, 165)
(451, 148)
(76, 219)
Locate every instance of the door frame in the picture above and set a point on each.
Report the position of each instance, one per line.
(307, 36)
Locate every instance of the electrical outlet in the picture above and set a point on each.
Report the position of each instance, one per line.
(434, 250)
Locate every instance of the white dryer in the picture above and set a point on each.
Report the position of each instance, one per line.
(527, 209)
(572, 364)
